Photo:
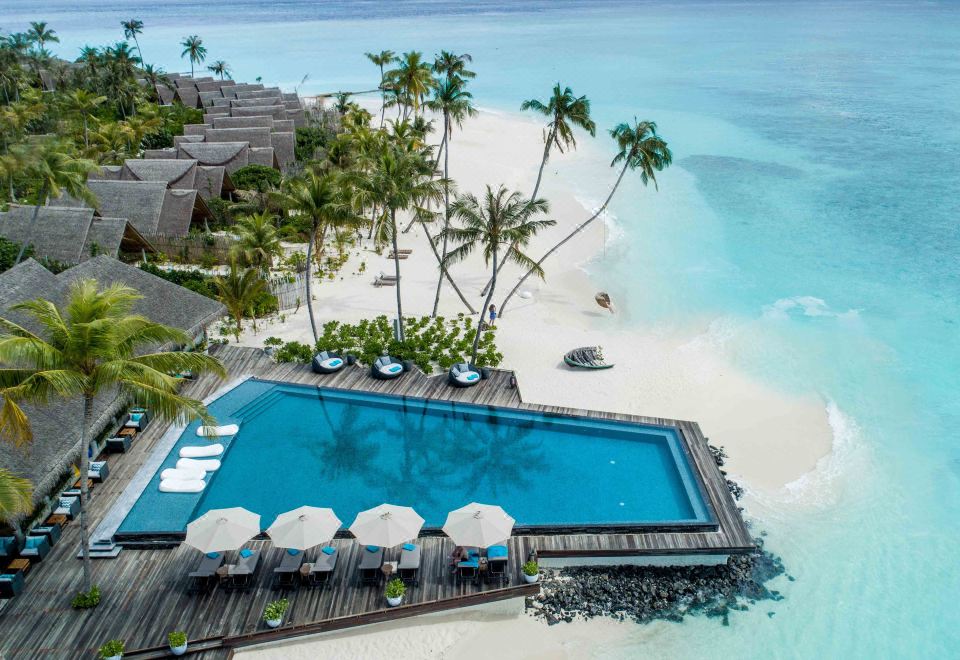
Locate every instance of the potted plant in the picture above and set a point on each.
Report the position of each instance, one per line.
(531, 571)
(273, 612)
(178, 642)
(112, 650)
(395, 590)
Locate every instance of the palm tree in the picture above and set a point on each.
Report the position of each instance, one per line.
(90, 56)
(452, 66)
(93, 345)
(16, 496)
(640, 148)
(110, 143)
(41, 34)
(193, 49)
(454, 102)
(56, 172)
(220, 68)
(565, 111)
(156, 76)
(503, 221)
(381, 59)
(258, 243)
(83, 104)
(413, 80)
(131, 29)
(239, 291)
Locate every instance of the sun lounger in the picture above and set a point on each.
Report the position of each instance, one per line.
(119, 444)
(386, 368)
(327, 362)
(9, 547)
(137, 420)
(217, 431)
(241, 574)
(99, 471)
(323, 566)
(385, 280)
(11, 584)
(408, 569)
(182, 485)
(400, 255)
(203, 451)
(35, 548)
(371, 559)
(68, 506)
(50, 532)
(205, 464)
(497, 558)
(464, 375)
(204, 577)
(469, 569)
(184, 474)
(285, 575)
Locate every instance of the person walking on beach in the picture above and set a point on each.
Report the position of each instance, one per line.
(493, 315)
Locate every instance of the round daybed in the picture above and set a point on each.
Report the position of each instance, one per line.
(387, 368)
(463, 374)
(327, 362)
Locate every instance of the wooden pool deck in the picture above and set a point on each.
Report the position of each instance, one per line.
(145, 590)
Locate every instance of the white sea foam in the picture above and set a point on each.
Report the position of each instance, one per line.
(810, 306)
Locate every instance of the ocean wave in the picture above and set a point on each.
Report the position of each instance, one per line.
(809, 306)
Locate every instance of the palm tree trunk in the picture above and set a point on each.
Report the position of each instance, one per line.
(556, 247)
(396, 266)
(33, 223)
(84, 491)
(313, 323)
(446, 273)
(383, 97)
(446, 209)
(139, 52)
(86, 133)
(543, 162)
(486, 306)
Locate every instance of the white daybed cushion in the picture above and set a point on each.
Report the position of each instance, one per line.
(467, 377)
(213, 431)
(182, 485)
(207, 465)
(390, 369)
(183, 474)
(332, 363)
(201, 451)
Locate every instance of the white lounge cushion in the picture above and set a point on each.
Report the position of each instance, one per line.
(332, 363)
(207, 465)
(467, 377)
(202, 451)
(391, 369)
(182, 485)
(216, 431)
(183, 474)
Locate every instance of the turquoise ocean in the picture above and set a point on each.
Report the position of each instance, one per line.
(811, 223)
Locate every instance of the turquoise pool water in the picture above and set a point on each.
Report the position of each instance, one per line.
(351, 451)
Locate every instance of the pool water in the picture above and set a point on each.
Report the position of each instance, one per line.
(351, 451)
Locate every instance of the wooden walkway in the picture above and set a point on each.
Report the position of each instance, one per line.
(144, 591)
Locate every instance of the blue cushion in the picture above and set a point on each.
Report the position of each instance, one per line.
(328, 550)
(7, 576)
(496, 551)
(136, 417)
(409, 546)
(335, 362)
(472, 375)
(213, 555)
(394, 368)
(246, 552)
(373, 548)
(293, 552)
(35, 541)
(473, 563)
(473, 552)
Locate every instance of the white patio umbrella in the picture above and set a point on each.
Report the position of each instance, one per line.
(223, 529)
(386, 525)
(304, 527)
(478, 525)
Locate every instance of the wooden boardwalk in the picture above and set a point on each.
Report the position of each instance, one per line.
(145, 593)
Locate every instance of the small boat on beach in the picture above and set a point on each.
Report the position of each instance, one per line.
(586, 357)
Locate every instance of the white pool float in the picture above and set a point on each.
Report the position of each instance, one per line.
(202, 451)
(216, 431)
(182, 485)
(182, 474)
(207, 465)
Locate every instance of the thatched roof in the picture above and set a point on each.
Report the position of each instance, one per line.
(275, 111)
(267, 92)
(166, 94)
(107, 173)
(211, 86)
(291, 96)
(181, 139)
(246, 87)
(255, 103)
(175, 173)
(195, 129)
(284, 145)
(232, 155)
(243, 122)
(140, 202)
(283, 125)
(189, 96)
(212, 181)
(209, 115)
(264, 156)
(207, 98)
(255, 136)
(298, 117)
(180, 209)
(292, 105)
(221, 103)
(160, 153)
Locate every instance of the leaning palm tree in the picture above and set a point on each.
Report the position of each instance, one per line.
(413, 79)
(239, 290)
(502, 223)
(220, 68)
(194, 50)
(40, 34)
(450, 98)
(83, 104)
(55, 173)
(131, 28)
(94, 345)
(382, 59)
(16, 496)
(258, 243)
(640, 148)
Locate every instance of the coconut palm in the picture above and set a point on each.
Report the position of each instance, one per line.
(131, 28)
(194, 50)
(83, 104)
(220, 68)
(640, 148)
(110, 143)
(382, 59)
(55, 173)
(155, 77)
(450, 98)
(40, 34)
(16, 496)
(257, 243)
(93, 345)
(91, 58)
(450, 65)
(239, 292)
(502, 223)
(413, 80)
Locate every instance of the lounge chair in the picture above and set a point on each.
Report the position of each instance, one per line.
(470, 568)
(327, 362)
(498, 557)
(285, 575)
(408, 569)
(68, 506)
(51, 532)
(99, 471)
(137, 420)
(371, 560)
(323, 566)
(9, 547)
(400, 254)
(205, 575)
(11, 584)
(118, 444)
(386, 368)
(241, 574)
(463, 374)
(35, 548)
(385, 280)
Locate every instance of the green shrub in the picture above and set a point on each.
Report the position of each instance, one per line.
(112, 648)
(309, 140)
(86, 599)
(177, 638)
(275, 610)
(256, 177)
(395, 588)
(530, 568)
(8, 253)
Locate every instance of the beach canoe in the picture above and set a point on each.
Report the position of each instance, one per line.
(586, 357)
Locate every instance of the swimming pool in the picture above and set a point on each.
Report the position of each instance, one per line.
(352, 450)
